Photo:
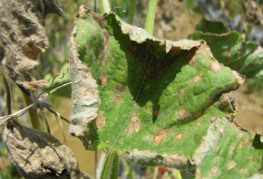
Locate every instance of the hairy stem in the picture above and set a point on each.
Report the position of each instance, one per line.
(149, 25)
(132, 10)
(104, 6)
(111, 166)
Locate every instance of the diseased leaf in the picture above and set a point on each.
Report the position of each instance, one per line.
(151, 100)
(22, 38)
(227, 152)
(39, 155)
(232, 50)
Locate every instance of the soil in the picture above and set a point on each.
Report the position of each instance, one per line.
(4, 164)
(86, 158)
(249, 110)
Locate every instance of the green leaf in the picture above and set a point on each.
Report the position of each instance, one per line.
(153, 100)
(232, 50)
(228, 152)
(62, 78)
(216, 27)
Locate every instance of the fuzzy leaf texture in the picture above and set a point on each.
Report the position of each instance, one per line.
(153, 101)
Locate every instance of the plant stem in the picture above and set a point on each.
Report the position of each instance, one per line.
(8, 96)
(95, 5)
(155, 174)
(111, 166)
(149, 26)
(96, 161)
(104, 6)
(35, 121)
(132, 11)
(132, 174)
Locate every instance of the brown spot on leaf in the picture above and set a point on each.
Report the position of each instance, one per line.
(156, 112)
(214, 171)
(198, 124)
(183, 114)
(148, 137)
(243, 170)
(100, 121)
(196, 79)
(135, 125)
(135, 105)
(119, 86)
(179, 137)
(232, 151)
(213, 119)
(160, 136)
(181, 91)
(215, 66)
(240, 135)
(231, 165)
(245, 143)
(116, 99)
(240, 79)
(104, 79)
(216, 159)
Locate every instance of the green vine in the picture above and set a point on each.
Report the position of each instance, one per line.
(132, 11)
(104, 6)
(111, 166)
(149, 26)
